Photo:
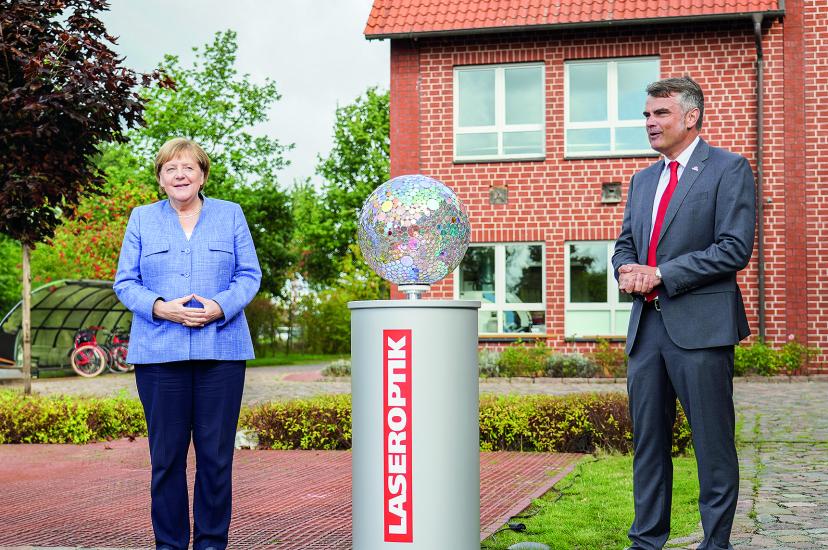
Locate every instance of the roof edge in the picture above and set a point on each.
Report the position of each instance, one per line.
(579, 25)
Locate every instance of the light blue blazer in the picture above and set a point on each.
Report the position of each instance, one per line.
(218, 262)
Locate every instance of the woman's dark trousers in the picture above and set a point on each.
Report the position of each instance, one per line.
(194, 401)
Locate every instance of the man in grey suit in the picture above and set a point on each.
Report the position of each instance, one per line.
(688, 229)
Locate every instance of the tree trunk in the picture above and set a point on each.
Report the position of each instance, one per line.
(27, 322)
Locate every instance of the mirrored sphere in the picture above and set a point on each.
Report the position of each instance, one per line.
(413, 230)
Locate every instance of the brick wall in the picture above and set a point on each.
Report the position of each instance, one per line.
(558, 200)
(808, 93)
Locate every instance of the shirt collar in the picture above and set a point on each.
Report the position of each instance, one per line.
(685, 155)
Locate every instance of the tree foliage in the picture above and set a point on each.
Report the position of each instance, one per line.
(9, 273)
(88, 243)
(213, 105)
(356, 165)
(62, 92)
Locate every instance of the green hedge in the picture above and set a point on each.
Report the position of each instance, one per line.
(318, 423)
(537, 359)
(572, 423)
(580, 423)
(61, 419)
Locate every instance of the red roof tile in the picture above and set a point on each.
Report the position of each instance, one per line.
(406, 17)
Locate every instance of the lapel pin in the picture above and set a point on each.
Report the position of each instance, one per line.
(695, 168)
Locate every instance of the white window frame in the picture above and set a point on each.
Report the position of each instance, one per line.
(500, 127)
(613, 303)
(612, 110)
(500, 305)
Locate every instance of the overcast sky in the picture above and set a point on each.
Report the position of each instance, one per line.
(314, 51)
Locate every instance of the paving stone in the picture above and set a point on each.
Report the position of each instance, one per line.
(794, 538)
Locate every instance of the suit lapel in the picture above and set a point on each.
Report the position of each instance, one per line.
(695, 166)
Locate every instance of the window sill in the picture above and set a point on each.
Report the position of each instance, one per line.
(512, 337)
(595, 156)
(595, 338)
(541, 158)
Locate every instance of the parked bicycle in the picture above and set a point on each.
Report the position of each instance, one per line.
(92, 354)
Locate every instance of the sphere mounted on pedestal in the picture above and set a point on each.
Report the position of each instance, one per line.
(413, 230)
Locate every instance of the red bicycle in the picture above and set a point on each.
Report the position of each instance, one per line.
(90, 356)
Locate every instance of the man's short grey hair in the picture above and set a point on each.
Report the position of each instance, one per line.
(690, 94)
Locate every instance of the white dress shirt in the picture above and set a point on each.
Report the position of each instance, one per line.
(682, 159)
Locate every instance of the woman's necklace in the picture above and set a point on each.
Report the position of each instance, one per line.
(194, 214)
(185, 216)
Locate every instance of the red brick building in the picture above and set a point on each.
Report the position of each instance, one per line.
(531, 112)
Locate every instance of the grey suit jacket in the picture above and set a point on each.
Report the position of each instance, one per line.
(706, 238)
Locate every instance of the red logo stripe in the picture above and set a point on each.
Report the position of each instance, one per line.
(396, 408)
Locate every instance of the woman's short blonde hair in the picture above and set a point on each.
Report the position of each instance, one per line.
(176, 147)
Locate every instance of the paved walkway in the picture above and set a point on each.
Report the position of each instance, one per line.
(783, 455)
(783, 433)
(97, 495)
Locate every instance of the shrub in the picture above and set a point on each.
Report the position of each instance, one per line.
(568, 365)
(318, 423)
(488, 363)
(793, 355)
(611, 361)
(519, 359)
(759, 358)
(63, 419)
(572, 423)
(340, 367)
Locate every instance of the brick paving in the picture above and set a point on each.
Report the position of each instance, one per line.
(97, 495)
(783, 442)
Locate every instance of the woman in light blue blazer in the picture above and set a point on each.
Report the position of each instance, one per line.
(187, 270)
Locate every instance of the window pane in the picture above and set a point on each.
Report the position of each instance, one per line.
(524, 321)
(524, 95)
(633, 78)
(477, 274)
(622, 321)
(487, 321)
(524, 274)
(631, 139)
(587, 92)
(476, 145)
(588, 140)
(588, 273)
(588, 323)
(523, 143)
(476, 97)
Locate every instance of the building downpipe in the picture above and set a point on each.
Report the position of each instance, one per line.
(760, 147)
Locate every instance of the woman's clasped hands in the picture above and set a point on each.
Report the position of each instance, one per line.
(194, 317)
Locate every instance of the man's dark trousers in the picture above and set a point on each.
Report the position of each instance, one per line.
(658, 372)
(198, 400)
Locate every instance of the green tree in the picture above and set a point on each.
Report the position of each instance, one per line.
(325, 320)
(357, 164)
(215, 106)
(63, 91)
(88, 243)
(10, 273)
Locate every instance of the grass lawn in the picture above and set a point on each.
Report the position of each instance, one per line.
(592, 507)
(292, 359)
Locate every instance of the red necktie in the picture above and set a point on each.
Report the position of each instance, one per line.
(659, 221)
